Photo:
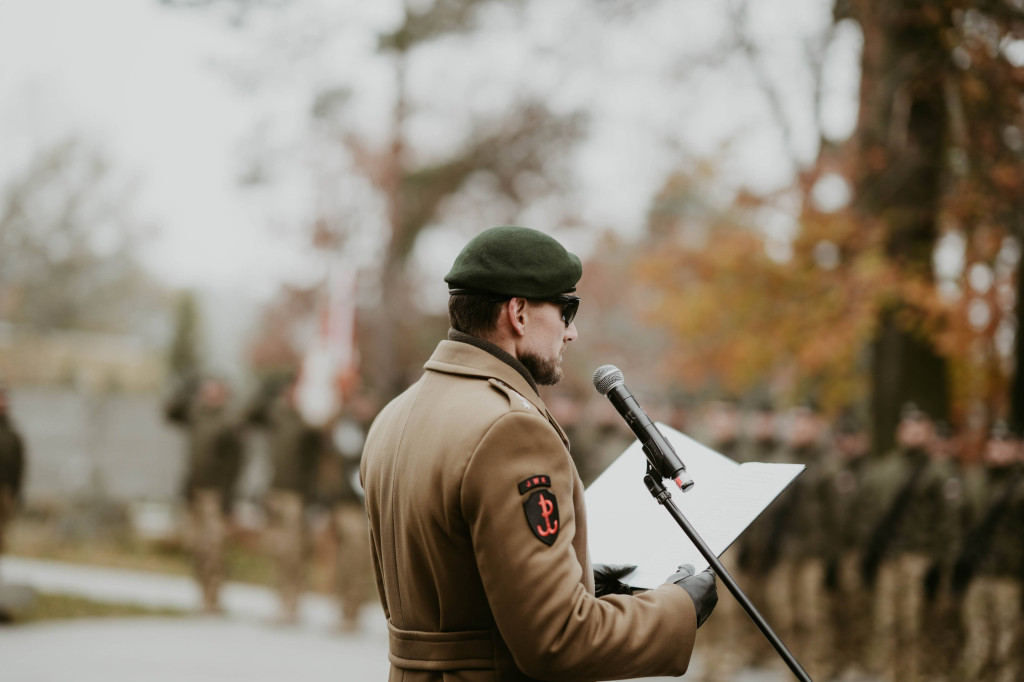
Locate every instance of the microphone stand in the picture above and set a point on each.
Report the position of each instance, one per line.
(658, 491)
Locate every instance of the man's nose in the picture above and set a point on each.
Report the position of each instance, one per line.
(571, 333)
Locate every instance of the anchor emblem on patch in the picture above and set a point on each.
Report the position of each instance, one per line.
(542, 515)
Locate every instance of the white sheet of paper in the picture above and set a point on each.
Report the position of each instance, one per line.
(625, 525)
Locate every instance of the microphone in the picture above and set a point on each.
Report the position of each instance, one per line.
(660, 453)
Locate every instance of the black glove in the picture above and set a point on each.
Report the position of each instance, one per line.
(701, 588)
(606, 579)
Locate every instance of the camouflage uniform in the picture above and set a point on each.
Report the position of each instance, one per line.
(943, 618)
(848, 608)
(750, 569)
(294, 449)
(353, 567)
(797, 551)
(911, 497)
(717, 646)
(12, 469)
(993, 602)
(214, 463)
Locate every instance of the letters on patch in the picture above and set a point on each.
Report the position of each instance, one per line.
(538, 481)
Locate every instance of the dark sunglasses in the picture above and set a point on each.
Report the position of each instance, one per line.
(570, 304)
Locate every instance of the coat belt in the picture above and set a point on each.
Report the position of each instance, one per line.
(460, 650)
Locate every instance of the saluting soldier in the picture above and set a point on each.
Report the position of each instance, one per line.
(477, 514)
(294, 447)
(991, 564)
(214, 462)
(12, 466)
(909, 495)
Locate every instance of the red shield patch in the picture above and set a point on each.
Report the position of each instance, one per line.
(542, 515)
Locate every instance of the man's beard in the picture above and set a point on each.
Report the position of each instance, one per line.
(544, 372)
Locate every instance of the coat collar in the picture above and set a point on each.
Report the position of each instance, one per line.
(459, 357)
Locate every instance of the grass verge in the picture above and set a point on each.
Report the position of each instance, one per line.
(50, 607)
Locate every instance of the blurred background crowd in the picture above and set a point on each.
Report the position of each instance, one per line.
(224, 226)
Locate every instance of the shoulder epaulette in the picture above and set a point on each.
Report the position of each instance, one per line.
(517, 401)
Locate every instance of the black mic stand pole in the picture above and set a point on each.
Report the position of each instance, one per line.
(653, 482)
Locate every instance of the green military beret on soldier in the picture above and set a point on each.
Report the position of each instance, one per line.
(514, 261)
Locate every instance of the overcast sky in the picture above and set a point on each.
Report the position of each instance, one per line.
(180, 98)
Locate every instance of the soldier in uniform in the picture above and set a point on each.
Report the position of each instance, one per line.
(12, 466)
(214, 462)
(348, 517)
(991, 564)
(943, 616)
(294, 448)
(723, 419)
(849, 610)
(718, 649)
(762, 443)
(477, 514)
(798, 547)
(913, 523)
(604, 437)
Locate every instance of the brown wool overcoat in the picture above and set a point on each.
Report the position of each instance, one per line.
(481, 566)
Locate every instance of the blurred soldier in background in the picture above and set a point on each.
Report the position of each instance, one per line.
(943, 618)
(991, 564)
(945, 446)
(913, 524)
(567, 409)
(12, 466)
(214, 462)
(798, 546)
(347, 514)
(722, 658)
(604, 438)
(723, 422)
(850, 610)
(762, 444)
(762, 441)
(294, 447)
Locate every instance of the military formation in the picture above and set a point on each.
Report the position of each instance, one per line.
(902, 566)
(314, 468)
(905, 565)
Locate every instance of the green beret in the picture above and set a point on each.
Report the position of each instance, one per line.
(514, 261)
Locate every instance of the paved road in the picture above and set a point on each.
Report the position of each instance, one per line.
(191, 649)
(244, 645)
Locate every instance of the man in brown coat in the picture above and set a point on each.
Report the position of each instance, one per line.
(477, 514)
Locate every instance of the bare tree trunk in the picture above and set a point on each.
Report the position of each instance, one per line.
(395, 310)
(1017, 381)
(900, 142)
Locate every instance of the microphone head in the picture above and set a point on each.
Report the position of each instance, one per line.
(606, 377)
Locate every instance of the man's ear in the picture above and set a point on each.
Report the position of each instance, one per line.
(515, 310)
